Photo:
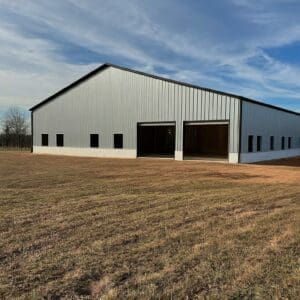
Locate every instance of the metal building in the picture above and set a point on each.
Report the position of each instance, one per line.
(118, 112)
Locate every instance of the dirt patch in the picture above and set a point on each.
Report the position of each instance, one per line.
(234, 175)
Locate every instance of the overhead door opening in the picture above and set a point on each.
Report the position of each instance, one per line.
(204, 140)
(156, 139)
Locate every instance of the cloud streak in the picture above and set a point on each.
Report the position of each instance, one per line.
(47, 44)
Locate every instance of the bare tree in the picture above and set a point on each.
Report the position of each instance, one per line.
(15, 120)
(14, 127)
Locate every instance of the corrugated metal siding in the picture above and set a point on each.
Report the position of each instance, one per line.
(266, 122)
(114, 100)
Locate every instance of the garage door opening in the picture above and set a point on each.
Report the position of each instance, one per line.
(205, 141)
(156, 139)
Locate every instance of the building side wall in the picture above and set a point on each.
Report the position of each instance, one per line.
(263, 121)
(114, 101)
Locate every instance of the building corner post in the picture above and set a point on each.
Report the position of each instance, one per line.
(31, 150)
(178, 155)
(240, 130)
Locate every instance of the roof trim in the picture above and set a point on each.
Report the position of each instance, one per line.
(70, 86)
(107, 65)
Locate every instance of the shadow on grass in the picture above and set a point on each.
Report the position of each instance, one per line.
(287, 162)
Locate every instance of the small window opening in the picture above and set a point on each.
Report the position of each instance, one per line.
(59, 140)
(118, 141)
(94, 140)
(258, 143)
(290, 143)
(272, 143)
(45, 139)
(250, 143)
(282, 143)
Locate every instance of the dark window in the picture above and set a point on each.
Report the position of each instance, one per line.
(290, 143)
(94, 140)
(59, 140)
(272, 143)
(44, 139)
(258, 143)
(282, 143)
(118, 140)
(250, 143)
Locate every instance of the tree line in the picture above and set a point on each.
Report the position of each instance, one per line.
(15, 130)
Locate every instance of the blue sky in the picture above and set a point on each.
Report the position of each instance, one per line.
(239, 46)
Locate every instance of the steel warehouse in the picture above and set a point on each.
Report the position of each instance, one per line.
(119, 112)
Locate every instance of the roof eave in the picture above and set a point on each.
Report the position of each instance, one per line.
(70, 86)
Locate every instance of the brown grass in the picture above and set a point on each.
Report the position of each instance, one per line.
(147, 229)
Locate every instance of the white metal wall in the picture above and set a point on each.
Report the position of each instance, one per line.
(258, 120)
(114, 100)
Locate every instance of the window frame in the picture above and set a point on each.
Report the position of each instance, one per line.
(272, 142)
(44, 135)
(258, 143)
(118, 144)
(289, 142)
(250, 143)
(92, 144)
(57, 140)
(282, 143)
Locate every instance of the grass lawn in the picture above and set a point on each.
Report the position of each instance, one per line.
(113, 229)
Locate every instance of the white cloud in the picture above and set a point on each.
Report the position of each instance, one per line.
(194, 44)
(30, 70)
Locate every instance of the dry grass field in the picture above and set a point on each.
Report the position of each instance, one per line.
(147, 229)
